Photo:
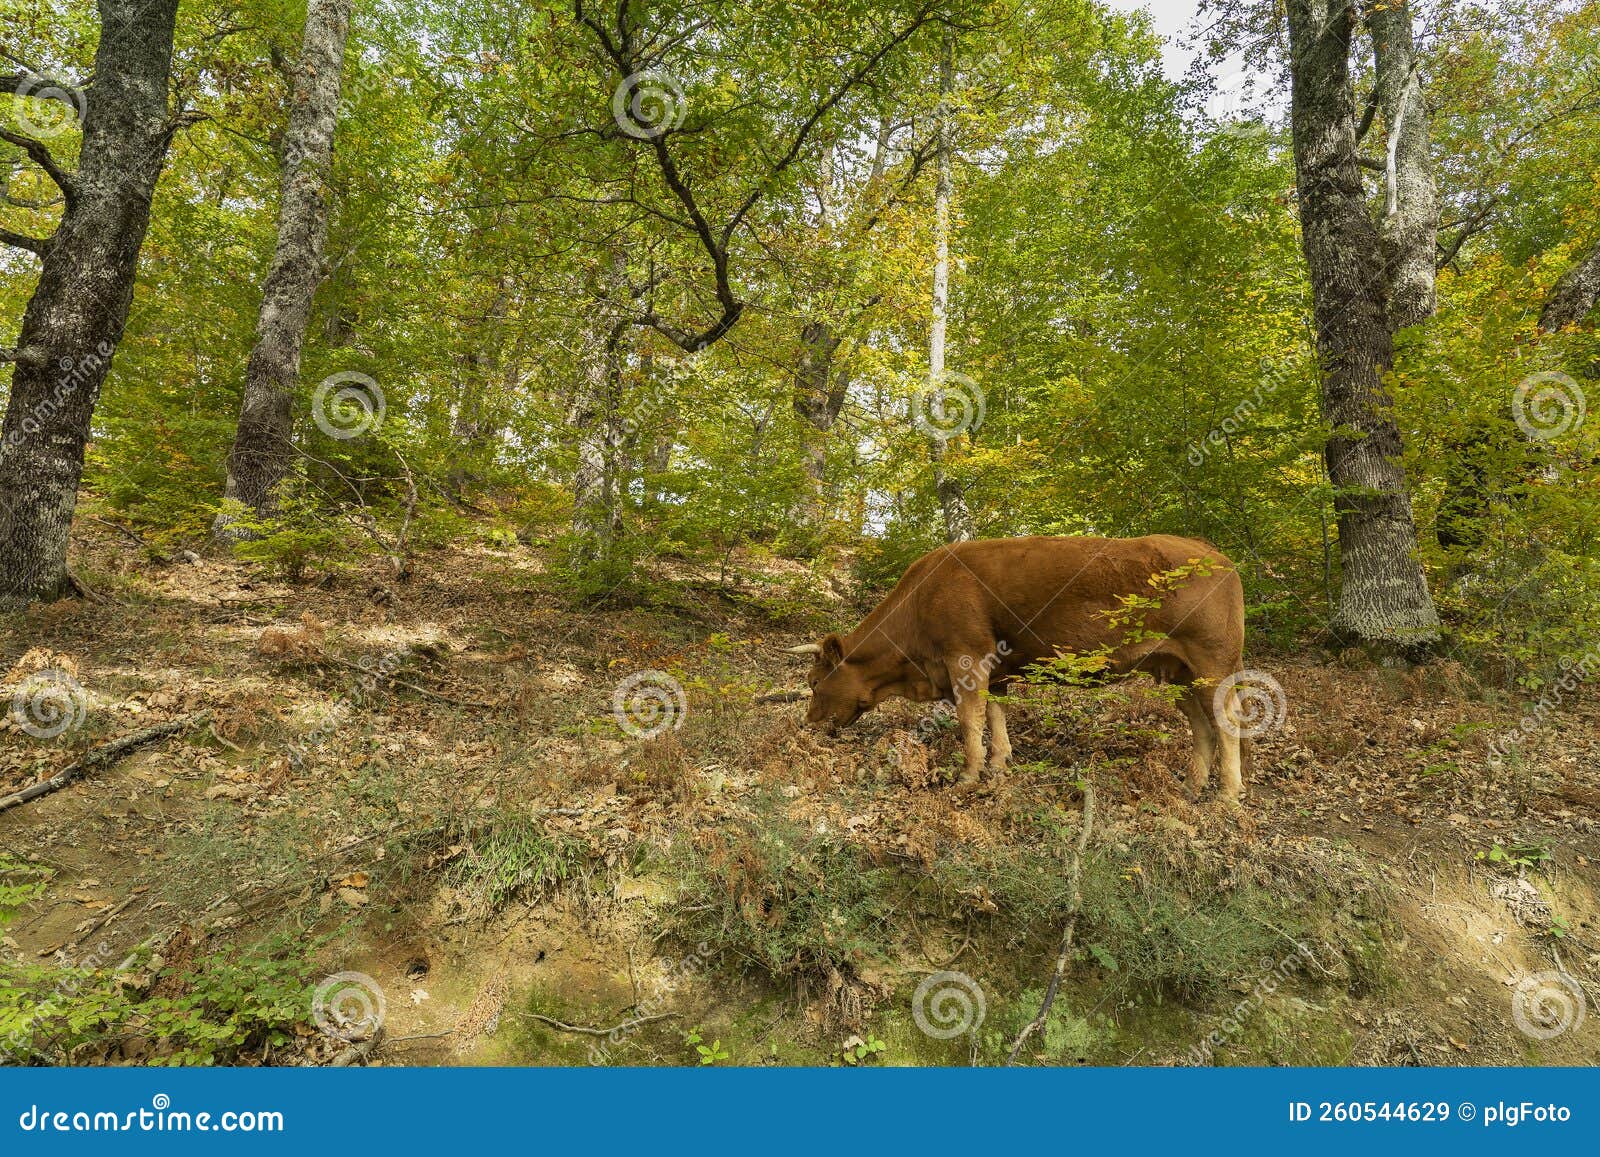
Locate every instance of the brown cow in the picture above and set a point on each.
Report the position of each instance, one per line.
(967, 618)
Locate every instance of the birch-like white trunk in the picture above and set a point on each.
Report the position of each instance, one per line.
(958, 524)
(263, 449)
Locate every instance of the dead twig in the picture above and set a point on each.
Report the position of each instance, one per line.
(211, 729)
(376, 674)
(1074, 905)
(106, 753)
(783, 697)
(359, 1051)
(109, 916)
(585, 1030)
(133, 536)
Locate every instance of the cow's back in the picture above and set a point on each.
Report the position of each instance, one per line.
(1042, 594)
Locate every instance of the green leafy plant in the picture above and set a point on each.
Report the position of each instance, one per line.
(20, 883)
(1517, 856)
(858, 1050)
(709, 1054)
(214, 1010)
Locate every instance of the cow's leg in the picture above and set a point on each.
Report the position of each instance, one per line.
(969, 681)
(1228, 736)
(1196, 704)
(999, 740)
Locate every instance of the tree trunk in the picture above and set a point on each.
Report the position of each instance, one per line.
(819, 396)
(1574, 295)
(596, 423)
(958, 524)
(478, 410)
(1384, 598)
(1410, 227)
(262, 448)
(594, 478)
(75, 319)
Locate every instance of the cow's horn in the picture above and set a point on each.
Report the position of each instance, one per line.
(806, 649)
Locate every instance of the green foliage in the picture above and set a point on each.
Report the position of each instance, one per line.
(859, 1050)
(1517, 857)
(213, 1010)
(292, 540)
(1128, 297)
(708, 1054)
(20, 883)
(515, 857)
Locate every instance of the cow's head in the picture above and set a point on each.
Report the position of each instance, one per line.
(839, 689)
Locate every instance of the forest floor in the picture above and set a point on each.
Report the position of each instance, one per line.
(492, 853)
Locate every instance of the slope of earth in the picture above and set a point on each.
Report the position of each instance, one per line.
(515, 832)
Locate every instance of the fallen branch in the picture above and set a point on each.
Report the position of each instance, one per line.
(1074, 905)
(783, 697)
(106, 753)
(585, 1030)
(109, 916)
(134, 537)
(402, 683)
(84, 591)
(359, 1051)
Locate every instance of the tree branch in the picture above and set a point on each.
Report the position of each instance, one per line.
(28, 83)
(35, 245)
(41, 156)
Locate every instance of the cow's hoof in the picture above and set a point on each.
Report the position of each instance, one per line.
(967, 784)
(1230, 802)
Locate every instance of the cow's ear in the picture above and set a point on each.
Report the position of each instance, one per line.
(832, 650)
